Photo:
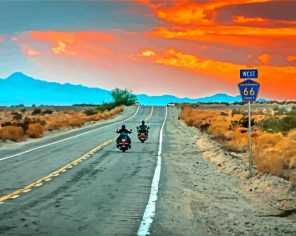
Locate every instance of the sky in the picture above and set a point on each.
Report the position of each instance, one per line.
(185, 48)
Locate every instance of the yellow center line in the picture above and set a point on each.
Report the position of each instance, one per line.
(57, 172)
(53, 174)
(151, 112)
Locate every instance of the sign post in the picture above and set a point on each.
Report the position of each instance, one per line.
(249, 90)
(250, 141)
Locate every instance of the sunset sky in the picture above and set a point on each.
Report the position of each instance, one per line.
(184, 48)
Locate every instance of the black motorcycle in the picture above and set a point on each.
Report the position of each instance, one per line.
(123, 143)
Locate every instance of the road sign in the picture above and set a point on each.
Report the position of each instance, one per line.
(249, 73)
(249, 90)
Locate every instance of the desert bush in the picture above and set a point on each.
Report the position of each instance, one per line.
(274, 124)
(57, 121)
(235, 111)
(36, 111)
(6, 123)
(292, 134)
(12, 133)
(106, 107)
(123, 97)
(47, 111)
(218, 131)
(76, 121)
(237, 140)
(275, 154)
(90, 112)
(34, 126)
(16, 115)
(35, 131)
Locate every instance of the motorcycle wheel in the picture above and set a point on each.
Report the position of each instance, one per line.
(123, 150)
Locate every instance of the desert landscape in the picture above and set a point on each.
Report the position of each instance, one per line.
(273, 133)
(20, 123)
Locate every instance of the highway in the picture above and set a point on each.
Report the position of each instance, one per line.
(78, 183)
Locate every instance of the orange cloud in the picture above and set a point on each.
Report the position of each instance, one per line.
(71, 37)
(226, 30)
(291, 58)
(28, 51)
(147, 53)
(264, 58)
(272, 77)
(14, 38)
(197, 21)
(72, 43)
(243, 19)
(189, 12)
(61, 48)
(233, 36)
(262, 21)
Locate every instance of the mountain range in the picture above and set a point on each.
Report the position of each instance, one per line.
(19, 88)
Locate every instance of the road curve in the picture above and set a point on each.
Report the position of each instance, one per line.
(104, 194)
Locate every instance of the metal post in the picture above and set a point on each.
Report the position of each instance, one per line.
(250, 142)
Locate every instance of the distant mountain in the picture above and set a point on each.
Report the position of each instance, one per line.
(165, 99)
(21, 89)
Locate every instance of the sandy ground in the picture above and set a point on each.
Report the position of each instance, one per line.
(205, 191)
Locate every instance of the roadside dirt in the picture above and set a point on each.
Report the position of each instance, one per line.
(204, 190)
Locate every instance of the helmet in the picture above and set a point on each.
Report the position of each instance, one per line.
(123, 126)
(143, 122)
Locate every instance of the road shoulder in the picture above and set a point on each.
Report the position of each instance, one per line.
(197, 199)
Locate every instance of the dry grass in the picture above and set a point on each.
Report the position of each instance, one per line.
(33, 126)
(292, 134)
(12, 133)
(35, 131)
(273, 153)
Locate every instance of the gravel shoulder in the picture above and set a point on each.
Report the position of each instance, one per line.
(204, 190)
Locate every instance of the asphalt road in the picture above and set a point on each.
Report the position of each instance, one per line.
(102, 193)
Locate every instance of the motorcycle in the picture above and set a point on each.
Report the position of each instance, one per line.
(123, 143)
(142, 136)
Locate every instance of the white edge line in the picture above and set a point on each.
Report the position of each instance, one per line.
(151, 205)
(72, 137)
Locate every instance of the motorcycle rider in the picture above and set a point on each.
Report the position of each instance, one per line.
(142, 128)
(123, 132)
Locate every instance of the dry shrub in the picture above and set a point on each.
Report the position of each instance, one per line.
(57, 121)
(292, 180)
(218, 131)
(292, 134)
(95, 117)
(269, 161)
(34, 126)
(76, 121)
(12, 133)
(35, 131)
(197, 118)
(104, 115)
(258, 118)
(237, 140)
(275, 154)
